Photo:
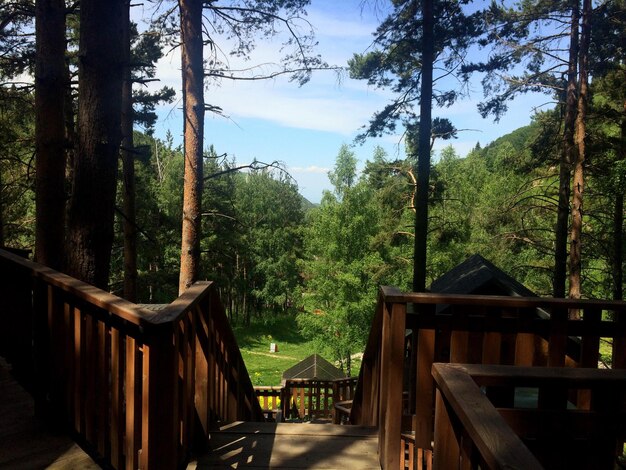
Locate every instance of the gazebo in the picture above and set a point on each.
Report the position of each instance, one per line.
(478, 276)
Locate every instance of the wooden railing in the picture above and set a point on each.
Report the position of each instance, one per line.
(138, 387)
(412, 331)
(270, 398)
(305, 399)
(471, 433)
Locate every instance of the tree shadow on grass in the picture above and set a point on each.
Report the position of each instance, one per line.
(272, 328)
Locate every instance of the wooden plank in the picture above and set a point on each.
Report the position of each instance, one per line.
(459, 337)
(557, 342)
(132, 399)
(448, 451)
(68, 320)
(103, 382)
(494, 439)
(77, 395)
(549, 303)
(492, 342)
(90, 355)
(546, 376)
(619, 339)
(58, 342)
(42, 379)
(202, 371)
(384, 382)
(285, 446)
(424, 394)
(393, 359)
(117, 421)
(160, 431)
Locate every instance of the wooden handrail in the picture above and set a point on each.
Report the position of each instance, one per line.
(588, 433)
(128, 382)
(411, 331)
(393, 295)
(124, 309)
(499, 446)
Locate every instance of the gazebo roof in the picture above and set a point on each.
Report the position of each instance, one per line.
(313, 367)
(476, 275)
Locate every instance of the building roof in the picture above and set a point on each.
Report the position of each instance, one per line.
(313, 367)
(476, 275)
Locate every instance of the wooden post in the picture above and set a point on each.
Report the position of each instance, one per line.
(424, 392)
(160, 401)
(41, 345)
(525, 340)
(447, 450)
(394, 322)
(619, 340)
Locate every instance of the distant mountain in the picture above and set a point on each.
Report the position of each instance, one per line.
(307, 205)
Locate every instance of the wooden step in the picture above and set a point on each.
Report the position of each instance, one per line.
(291, 446)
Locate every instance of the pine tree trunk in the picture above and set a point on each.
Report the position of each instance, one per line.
(579, 165)
(193, 108)
(92, 204)
(568, 155)
(423, 150)
(50, 85)
(1, 217)
(618, 221)
(618, 255)
(128, 170)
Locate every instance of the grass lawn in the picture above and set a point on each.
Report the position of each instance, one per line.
(267, 368)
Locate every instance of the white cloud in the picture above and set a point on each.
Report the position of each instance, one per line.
(324, 104)
(310, 169)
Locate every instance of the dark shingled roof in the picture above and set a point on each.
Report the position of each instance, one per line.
(478, 276)
(313, 367)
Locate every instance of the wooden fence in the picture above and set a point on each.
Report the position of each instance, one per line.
(139, 388)
(305, 399)
(412, 331)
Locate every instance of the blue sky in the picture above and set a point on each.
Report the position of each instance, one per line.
(303, 127)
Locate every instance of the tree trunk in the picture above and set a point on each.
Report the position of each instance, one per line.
(50, 85)
(92, 205)
(579, 175)
(1, 217)
(193, 109)
(568, 155)
(618, 220)
(423, 150)
(128, 170)
(618, 256)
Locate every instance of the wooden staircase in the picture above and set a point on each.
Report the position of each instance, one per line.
(151, 389)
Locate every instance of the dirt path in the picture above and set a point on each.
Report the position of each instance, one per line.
(275, 356)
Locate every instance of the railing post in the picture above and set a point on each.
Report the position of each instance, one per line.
(160, 400)
(41, 347)
(619, 341)
(392, 362)
(424, 391)
(448, 452)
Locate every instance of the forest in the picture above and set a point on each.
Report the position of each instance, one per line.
(89, 189)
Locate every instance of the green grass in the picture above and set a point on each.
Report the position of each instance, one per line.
(267, 368)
